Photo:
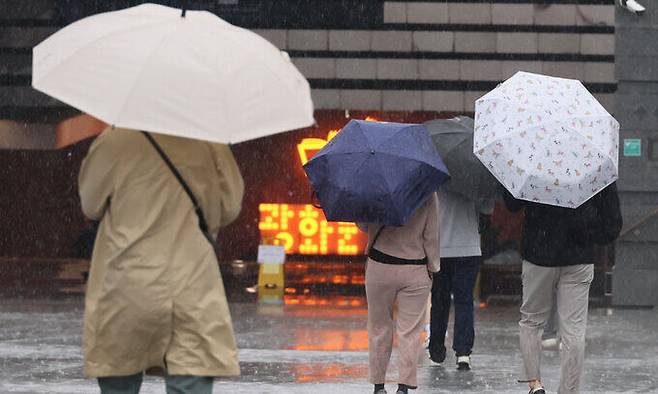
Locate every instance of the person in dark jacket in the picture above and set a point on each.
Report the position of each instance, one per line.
(558, 250)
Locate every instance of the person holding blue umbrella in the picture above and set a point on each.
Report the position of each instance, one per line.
(376, 172)
(384, 176)
(400, 265)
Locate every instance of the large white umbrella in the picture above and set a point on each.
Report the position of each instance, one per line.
(546, 139)
(149, 68)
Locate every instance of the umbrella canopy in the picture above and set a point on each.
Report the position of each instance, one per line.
(149, 68)
(546, 139)
(376, 172)
(453, 139)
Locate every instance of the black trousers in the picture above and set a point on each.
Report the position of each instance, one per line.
(457, 277)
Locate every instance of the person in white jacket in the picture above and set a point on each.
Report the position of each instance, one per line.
(461, 256)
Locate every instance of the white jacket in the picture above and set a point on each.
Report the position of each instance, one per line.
(459, 224)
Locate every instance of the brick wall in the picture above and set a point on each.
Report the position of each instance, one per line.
(440, 56)
(368, 55)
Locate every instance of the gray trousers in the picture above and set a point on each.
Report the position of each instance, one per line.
(410, 286)
(175, 384)
(572, 284)
(550, 329)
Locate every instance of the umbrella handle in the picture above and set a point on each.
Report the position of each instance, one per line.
(315, 200)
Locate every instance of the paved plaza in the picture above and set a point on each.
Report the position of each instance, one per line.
(317, 349)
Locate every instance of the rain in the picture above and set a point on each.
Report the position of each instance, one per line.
(536, 113)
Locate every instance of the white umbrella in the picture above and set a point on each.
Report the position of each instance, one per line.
(546, 139)
(148, 68)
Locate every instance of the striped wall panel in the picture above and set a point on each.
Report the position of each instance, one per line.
(396, 55)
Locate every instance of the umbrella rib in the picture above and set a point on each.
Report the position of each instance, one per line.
(383, 171)
(515, 133)
(147, 61)
(390, 192)
(382, 178)
(281, 79)
(402, 129)
(401, 157)
(272, 71)
(94, 41)
(341, 190)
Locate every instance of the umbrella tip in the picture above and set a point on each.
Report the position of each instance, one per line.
(183, 8)
(183, 13)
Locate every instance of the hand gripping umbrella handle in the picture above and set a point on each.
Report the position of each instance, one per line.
(315, 201)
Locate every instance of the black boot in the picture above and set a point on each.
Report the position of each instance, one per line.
(404, 389)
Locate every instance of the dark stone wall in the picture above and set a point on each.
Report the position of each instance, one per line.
(635, 278)
(39, 205)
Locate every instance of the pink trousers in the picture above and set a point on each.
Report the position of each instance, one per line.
(410, 286)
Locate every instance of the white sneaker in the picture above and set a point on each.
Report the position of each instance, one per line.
(464, 363)
(551, 345)
(537, 390)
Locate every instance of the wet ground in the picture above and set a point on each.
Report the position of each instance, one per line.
(320, 346)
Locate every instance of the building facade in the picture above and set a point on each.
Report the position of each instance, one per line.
(635, 277)
(394, 60)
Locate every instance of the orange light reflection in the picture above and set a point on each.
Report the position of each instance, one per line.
(331, 340)
(317, 372)
(333, 306)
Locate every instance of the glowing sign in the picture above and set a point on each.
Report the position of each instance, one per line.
(302, 229)
(312, 145)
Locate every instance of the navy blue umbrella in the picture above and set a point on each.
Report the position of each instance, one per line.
(376, 172)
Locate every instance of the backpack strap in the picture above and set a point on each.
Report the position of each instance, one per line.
(203, 225)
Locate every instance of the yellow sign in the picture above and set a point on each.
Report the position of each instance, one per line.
(310, 146)
(303, 229)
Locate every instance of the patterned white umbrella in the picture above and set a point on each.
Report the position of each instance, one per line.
(546, 139)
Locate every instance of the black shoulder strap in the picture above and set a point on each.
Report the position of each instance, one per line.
(372, 245)
(197, 208)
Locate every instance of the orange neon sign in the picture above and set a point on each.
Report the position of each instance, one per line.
(303, 229)
(313, 145)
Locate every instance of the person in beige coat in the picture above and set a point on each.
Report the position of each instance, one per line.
(155, 298)
(400, 263)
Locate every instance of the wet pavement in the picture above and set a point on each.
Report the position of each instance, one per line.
(314, 345)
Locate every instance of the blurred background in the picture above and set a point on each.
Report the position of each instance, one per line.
(405, 61)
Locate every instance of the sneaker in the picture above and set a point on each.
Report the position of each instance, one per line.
(464, 363)
(381, 391)
(438, 356)
(404, 389)
(551, 344)
(537, 390)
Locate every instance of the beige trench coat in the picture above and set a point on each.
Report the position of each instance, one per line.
(155, 296)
